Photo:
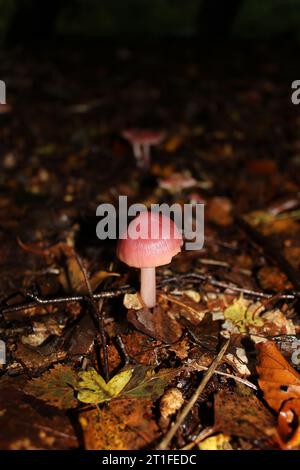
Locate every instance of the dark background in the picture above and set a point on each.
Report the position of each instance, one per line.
(21, 20)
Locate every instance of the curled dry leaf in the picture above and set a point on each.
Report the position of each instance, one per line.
(280, 384)
(277, 379)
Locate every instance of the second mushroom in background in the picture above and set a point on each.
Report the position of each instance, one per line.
(141, 141)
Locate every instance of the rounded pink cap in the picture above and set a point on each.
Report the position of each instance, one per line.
(143, 136)
(152, 240)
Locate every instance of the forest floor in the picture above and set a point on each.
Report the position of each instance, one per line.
(229, 310)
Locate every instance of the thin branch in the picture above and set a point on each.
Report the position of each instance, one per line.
(223, 285)
(38, 301)
(207, 376)
(201, 436)
(98, 310)
(225, 374)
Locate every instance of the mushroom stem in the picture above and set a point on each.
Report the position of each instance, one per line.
(148, 286)
(137, 152)
(146, 151)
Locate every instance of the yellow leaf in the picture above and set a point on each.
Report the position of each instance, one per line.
(217, 442)
(118, 382)
(93, 388)
(242, 315)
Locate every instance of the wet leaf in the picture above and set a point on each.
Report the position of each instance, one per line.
(55, 387)
(93, 388)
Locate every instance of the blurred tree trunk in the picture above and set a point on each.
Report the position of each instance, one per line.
(216, 18)
(33, 20)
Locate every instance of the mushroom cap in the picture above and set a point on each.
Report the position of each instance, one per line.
(143, 136)
(152, 240)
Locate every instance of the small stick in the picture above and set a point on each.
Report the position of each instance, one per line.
(99, 316)
(207, 376)
(204, 278)
(203, 435)
(230, 376)
(62, 300)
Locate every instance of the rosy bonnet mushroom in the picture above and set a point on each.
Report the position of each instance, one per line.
(151, 240)
(141, 141)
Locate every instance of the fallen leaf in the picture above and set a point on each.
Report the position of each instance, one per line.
(272, 279)
(280, 384)
(277, 379)
(132, 301)
(73, 279)
(242, 316)
(93, 388)
(158, 324)
(145, 383)
(217, 442)
(31, 424)
(173, 143)
(288, 425)
(219, 211)
(55, 387)
(241, 414)
(125, 424)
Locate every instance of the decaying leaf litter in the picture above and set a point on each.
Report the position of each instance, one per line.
(87, 367)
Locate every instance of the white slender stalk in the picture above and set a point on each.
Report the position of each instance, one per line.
(138, 153)
(148, 286)
(146, 152)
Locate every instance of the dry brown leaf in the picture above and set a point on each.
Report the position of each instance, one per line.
(277, 379)
(124, 425)
(271, 278)
(281, 386)
(242, 414)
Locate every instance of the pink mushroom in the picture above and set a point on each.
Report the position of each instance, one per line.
(141, 140)
(152, 240)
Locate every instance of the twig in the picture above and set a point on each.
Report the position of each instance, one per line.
(62, 300)
(203, 435)
(207, 376)
(230, 376)
(98, 310)
(223, 285)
